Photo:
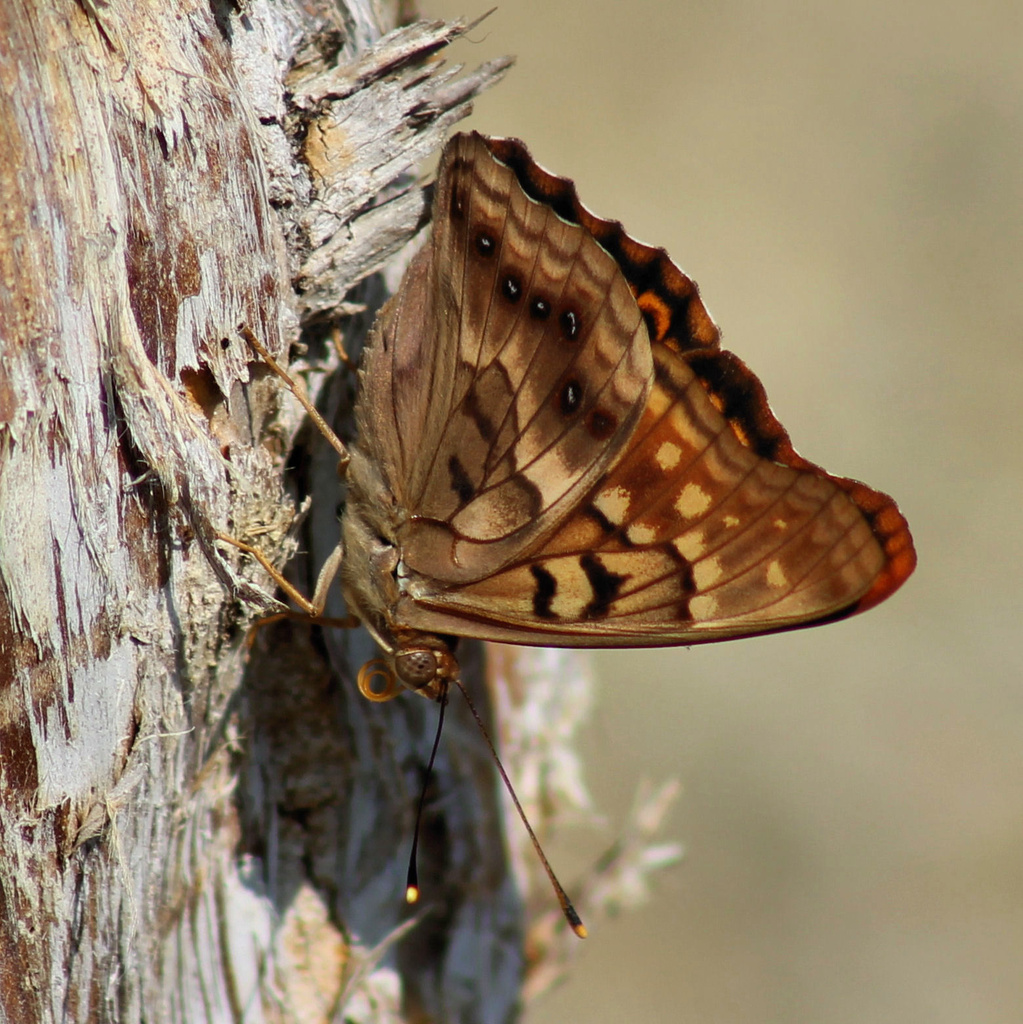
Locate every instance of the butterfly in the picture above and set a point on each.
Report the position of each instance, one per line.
(553, 449)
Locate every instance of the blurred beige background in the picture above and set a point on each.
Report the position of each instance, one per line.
(845, 181)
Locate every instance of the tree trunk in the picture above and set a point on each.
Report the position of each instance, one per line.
(197, 822)
(177, 844)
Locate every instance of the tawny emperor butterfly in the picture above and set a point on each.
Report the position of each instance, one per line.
(554, 450)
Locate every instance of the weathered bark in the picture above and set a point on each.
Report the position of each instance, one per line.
(175, 846)
(193, 827)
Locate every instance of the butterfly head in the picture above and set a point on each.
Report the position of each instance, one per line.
(421, 662)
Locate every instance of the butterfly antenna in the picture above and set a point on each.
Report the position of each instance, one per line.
(574, 921)
(412, 881)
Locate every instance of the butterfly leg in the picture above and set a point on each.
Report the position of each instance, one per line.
(339, 348)
(311, 609)
(328, 574)
(377, 681)
(292, 385)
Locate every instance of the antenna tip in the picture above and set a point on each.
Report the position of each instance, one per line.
(574, 920)
(412, 895)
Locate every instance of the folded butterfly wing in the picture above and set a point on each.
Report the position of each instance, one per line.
(572, 459)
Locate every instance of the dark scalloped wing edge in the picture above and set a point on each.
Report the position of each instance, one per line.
(677, 319)
(670, 300)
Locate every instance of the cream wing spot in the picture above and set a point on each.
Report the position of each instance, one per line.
(776, 575)
(707, 572)
(573, 589)
(668, 456)
(692, 501)
(703, 607)
(640, 534)
(691, 545)
(613, 502)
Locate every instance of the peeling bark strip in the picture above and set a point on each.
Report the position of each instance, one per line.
(349, 157)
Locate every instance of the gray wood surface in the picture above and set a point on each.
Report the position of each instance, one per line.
(182, 837)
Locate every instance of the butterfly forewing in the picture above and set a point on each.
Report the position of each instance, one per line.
(541, 367)
(577, 461)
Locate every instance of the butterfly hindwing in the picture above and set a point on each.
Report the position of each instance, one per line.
(691, 537)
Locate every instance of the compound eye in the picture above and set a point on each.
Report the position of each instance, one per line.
(416, 668)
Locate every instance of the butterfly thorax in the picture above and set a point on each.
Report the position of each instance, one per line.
(373, 581)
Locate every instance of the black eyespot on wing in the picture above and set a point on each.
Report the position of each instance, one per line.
(601, 424)
(571, 397)
(456, 206)
(570, 324)
(485, 244)
(539, 308)
(460, 169)
(511, 288)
